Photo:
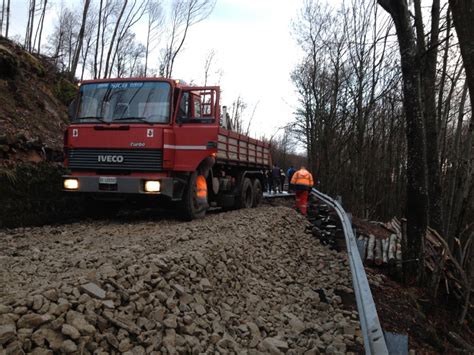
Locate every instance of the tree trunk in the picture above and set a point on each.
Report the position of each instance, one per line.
(8, 19)
(455, 184)
(417, 197)
(96, 74)
(43, 14)
(2, 18)
(432, 130)
(463, 18)
(80, 39)
(112, 41)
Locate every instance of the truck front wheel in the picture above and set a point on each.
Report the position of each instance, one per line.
(190, 207)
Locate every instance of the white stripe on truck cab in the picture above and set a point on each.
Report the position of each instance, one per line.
(185, 147)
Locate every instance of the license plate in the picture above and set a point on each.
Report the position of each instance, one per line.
(107, 180)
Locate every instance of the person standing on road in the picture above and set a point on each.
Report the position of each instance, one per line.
(302, 182)
(289, 174)
(282, 180)
(269, 181)
(276, 178)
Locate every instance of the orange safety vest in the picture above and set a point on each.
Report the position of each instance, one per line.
(302, 179)
(201, 188)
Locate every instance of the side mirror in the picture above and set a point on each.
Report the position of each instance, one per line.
(72, 109)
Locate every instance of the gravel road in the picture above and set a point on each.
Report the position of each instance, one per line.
(248, 281)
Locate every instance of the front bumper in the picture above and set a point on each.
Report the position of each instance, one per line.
(123, 185)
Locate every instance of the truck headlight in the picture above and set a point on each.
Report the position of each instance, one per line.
(152, 186)
(71, 184)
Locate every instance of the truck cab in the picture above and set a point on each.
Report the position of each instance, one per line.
(142, 138)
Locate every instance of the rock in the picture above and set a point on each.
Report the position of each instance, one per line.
(78, 321)
(52, 338)
(5, 309)
(33, 320)
(112, 340)
(68, 346)
(7, 333)
(70, 331)
(199, 258)
(297, 326)
(51, 295)
(170, 321)
(93, 290)
(41, 351)
(179, 289)
(125, 345)
(205, 284)
(37, 302)
(108, 304)
(169, 340)
(274, 343)
(349, 330)
(200, 310)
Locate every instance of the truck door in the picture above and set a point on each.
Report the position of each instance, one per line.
(196, 126)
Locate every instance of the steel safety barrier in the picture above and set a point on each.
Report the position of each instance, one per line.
(374, 341)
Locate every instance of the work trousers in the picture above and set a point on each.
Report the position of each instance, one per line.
(302, 201)
(276, 184)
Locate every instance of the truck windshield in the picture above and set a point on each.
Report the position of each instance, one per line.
(124, 101)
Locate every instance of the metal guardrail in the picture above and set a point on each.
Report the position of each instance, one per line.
(374, 341)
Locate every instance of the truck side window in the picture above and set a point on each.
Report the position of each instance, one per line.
(183, 112)
(197, 106)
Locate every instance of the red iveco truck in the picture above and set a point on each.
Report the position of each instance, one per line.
(144, 138)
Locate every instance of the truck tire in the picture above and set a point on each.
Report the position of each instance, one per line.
(244, 199)
(257, 193)
(190, 208)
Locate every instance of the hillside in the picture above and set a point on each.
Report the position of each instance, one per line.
(33, 105)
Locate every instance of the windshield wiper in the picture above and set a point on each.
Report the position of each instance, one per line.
(143, 119)
(98, 118)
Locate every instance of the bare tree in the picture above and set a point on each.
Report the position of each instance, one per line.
(463, 18)
(80, 38)
(134, 14)
(154, 27)
(39, 29)
(112, 41)
(417, 196)
(207, 65)
(2, 17)
(97, 40)
(7, 18)
(184, 14)
(30, 24)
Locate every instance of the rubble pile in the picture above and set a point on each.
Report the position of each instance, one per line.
(248, 281)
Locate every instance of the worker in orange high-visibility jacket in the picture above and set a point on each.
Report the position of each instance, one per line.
(201, 184)
(201, 191)
(301, 183)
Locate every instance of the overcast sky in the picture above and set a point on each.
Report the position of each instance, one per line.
(255, 52)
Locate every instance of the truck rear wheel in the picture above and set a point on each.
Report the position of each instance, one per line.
(257, 193)
(246, 194)
(190, 208)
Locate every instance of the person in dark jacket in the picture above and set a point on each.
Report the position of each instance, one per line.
(276, 178)
(269, 181)
(289, 174)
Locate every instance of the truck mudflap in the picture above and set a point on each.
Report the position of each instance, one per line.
(116, 185)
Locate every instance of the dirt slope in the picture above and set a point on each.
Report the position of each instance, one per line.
(233, 282)
(33, 97)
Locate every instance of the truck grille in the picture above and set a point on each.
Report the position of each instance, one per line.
(116, 159)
